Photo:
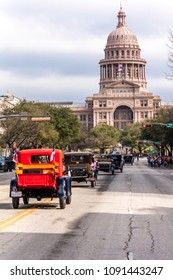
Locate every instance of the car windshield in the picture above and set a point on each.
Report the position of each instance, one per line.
(127, 157)
(40, 159)
(78, 158)
(115, 157)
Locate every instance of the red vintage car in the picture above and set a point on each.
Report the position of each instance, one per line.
(39, 174)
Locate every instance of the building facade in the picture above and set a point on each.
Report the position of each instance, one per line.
(123, 97)
(8, 100)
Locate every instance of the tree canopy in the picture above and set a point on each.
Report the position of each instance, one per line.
(105, 136)
(62, 130)
(130, 135)
(67, 125)
(158, 132)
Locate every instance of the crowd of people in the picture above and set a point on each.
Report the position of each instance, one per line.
(158, 161)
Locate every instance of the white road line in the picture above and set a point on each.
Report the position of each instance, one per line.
(130, 210)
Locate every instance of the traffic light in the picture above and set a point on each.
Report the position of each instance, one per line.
(146, 125)
(40, 119)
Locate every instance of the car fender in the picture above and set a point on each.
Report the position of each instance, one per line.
(13, 184)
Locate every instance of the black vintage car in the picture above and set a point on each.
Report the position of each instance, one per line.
(110, 163)
(78, 166)
(128, 159)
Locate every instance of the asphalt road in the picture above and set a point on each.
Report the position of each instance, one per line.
(128, 215)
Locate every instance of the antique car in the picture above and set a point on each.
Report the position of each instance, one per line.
(39, 174)
(104, 164)
(110, 163)
(78, 165)
(128, 159)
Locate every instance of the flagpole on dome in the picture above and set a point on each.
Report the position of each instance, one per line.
(121, 6)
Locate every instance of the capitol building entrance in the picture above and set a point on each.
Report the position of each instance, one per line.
(123, 116)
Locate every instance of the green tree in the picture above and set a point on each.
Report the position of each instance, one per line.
(105, 136)
(26, 133)
(158, 132)
(131, 137)
(67, 125)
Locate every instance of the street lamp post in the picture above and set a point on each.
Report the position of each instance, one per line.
(25, 116)
(149, 124)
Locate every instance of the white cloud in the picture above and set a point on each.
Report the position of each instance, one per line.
(73, 32)
(37, 87)
(165, 87)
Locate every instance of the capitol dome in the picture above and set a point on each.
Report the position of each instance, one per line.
(122, 35)
(122, 59)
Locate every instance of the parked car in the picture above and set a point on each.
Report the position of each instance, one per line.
(10, 163)
(3, 164)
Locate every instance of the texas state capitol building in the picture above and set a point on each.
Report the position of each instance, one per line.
(123, 97)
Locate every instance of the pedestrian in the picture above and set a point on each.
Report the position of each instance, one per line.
(148, 160)
(94, 167)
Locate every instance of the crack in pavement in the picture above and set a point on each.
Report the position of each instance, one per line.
(129, 235)
(152, 248)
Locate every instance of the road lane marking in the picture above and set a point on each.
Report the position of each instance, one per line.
(8, 222)
(130, 256)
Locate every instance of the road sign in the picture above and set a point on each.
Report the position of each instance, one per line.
(157, 143)
(169, 125)
(40, 119)
(24, 116)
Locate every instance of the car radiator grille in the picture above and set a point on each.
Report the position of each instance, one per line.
(78, 172)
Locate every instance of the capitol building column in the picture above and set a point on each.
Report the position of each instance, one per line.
(137, 116)
(95, 119)
(112, 71)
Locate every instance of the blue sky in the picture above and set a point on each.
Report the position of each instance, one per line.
(50, 49)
